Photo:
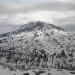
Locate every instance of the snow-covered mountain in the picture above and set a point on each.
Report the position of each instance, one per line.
(33, 26)
(35, 34)
(35, 43)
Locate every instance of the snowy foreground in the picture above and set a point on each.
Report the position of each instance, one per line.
(6, 71)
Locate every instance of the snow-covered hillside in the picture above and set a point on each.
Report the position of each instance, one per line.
(38, 45)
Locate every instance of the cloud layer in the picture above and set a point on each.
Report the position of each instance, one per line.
(18, 12)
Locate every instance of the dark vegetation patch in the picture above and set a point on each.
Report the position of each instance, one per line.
(39, 72)
(26, 74)
(72, 73)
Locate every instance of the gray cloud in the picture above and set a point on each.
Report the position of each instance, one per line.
(67, 23)
(63, 11)
(25, 6)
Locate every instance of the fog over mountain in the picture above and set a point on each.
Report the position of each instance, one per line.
(19, 12)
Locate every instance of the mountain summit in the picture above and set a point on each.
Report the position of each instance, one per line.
(33, 26)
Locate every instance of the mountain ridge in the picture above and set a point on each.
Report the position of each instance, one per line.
(30, 26)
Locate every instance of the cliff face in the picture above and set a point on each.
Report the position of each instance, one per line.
(37, 45)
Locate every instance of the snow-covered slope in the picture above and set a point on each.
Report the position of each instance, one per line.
(34, 33)
(35, 41)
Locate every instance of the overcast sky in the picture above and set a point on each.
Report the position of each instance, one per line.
(18, 12)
